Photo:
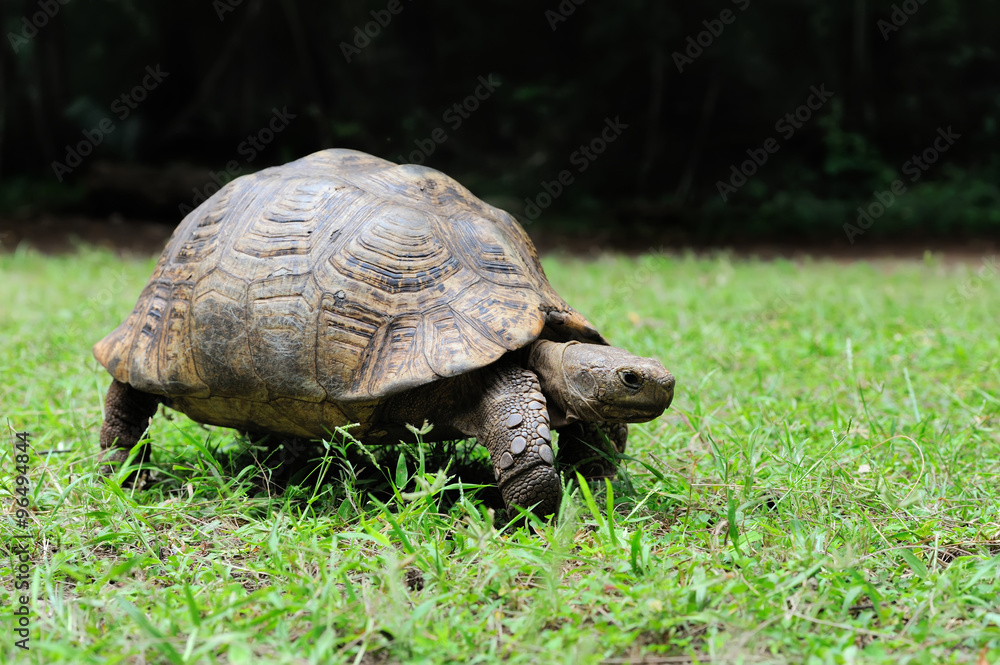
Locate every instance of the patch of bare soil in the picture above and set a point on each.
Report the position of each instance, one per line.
(60, 234)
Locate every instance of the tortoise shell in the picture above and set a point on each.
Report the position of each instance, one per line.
(338, 277)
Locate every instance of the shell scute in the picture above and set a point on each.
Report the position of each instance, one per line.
(339, 277)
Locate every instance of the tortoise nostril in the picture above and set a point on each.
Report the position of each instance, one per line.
(668, 382)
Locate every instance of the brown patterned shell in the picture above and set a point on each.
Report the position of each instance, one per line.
(337, 277)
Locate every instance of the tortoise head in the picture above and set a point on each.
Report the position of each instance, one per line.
(593, 382)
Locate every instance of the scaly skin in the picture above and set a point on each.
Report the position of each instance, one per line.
(509, 417)
(588, 388)
(126, 417)
(512, 420)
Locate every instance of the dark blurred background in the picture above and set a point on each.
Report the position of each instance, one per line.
(637, 121)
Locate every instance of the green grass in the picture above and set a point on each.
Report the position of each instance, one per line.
(823, 490)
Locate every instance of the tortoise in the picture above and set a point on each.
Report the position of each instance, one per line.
(341, 289)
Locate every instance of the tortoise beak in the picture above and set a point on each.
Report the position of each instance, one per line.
(656, 395)
(667, 386)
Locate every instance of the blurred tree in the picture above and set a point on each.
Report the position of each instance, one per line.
(699, 87)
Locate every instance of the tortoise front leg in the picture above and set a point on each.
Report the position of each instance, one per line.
(126, 417)
(584, 447)
(512, 421)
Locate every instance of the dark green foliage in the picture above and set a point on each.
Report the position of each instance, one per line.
(562, 69)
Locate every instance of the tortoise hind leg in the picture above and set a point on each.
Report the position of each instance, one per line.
(127, 412)
(511, 420)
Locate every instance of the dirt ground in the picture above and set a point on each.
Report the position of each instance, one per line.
(59, 234)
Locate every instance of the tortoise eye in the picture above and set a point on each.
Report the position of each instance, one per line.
(630, 378)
